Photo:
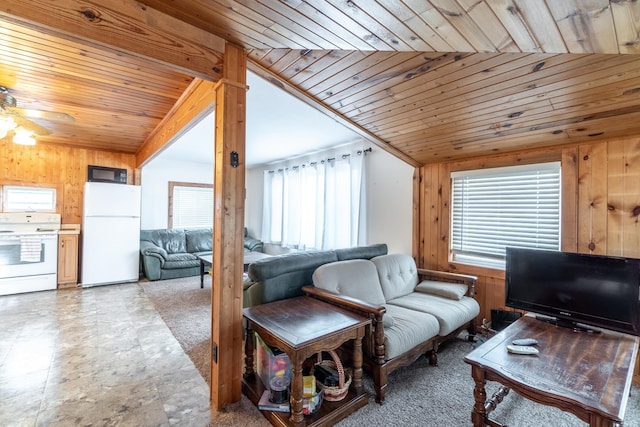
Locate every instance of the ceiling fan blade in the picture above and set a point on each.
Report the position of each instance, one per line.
(28, 124)
(42, 114)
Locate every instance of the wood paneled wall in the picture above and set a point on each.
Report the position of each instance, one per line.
(57, 166)
(600, 207)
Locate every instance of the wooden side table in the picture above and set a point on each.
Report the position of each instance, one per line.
(302, 327)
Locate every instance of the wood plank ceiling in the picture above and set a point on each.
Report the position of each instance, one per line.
(427, 80)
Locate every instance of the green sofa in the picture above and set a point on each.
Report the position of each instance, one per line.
(172, 253)
(283, 276)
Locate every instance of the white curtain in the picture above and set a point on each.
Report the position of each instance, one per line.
(318, 205)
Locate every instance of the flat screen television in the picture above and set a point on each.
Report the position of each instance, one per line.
(575, 289)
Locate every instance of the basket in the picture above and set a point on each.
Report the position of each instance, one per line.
(339, 392)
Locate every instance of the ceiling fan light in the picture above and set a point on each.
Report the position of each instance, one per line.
(24, 137)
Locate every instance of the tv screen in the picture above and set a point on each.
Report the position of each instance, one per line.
(573, 288)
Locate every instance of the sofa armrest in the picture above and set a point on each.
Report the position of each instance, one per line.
(374, 312)
(153, 258)
(253, 245)
(470, 281)
(349, 303)
(149, 249)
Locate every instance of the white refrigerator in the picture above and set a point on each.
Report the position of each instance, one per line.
(110, 234)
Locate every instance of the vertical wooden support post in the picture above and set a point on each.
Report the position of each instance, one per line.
(228, 230)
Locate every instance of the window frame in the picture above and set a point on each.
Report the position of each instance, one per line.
(48, 190)
(175, 184)
(493, 261)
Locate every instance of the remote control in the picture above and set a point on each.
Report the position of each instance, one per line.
(522, 349)
(525, 341)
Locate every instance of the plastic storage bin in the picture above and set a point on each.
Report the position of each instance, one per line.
(271, 362)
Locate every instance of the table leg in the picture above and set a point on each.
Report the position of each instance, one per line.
(201, 274)
(249, 348)
(599, 421)
(295, 400)
(357, 364)
(479, 413)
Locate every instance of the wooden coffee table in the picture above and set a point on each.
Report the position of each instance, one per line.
(302, 327)
(586, 374)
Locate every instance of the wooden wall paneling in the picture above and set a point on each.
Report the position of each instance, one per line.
(418, 205)
(430, 216)
(592, 199)
(443, 193)
(64, 168)
(488, 296)
(623, 233)
(569, 202)
(615, 198)
(631, 246)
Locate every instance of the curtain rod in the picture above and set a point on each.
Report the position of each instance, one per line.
(344, 156)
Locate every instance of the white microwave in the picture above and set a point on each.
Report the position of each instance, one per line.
(106, 174)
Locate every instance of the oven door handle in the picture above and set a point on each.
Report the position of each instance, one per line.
(13, 239)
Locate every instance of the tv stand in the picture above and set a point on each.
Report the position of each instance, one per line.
(576, 327)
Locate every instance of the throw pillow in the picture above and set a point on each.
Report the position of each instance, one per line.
(453, 291)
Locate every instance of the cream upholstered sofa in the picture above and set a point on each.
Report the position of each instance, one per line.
(412, 310)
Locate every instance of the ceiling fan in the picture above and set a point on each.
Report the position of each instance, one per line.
(13, 118)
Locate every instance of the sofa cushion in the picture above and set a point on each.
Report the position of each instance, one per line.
(362, 252)
(397, 273)
(199, 240)
(171, 240)
(183, 260)
(356, 278)
(451, 314)
(409, 329)
(453, 291)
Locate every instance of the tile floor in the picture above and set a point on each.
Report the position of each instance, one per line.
(94, 357)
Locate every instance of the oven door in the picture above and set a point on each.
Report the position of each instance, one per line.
(28, 255)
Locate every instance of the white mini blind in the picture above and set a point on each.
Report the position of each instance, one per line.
(192, 207)
(516, 206)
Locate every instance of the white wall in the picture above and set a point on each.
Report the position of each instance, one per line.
(389, 196)
(155, 187)
(389, 193)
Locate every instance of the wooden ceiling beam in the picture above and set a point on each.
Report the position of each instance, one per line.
(194, 104)
(124, 26)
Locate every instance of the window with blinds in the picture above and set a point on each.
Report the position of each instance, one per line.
(190, 205)
(515, 206)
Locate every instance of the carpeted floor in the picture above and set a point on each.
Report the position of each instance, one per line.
(418, 395)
